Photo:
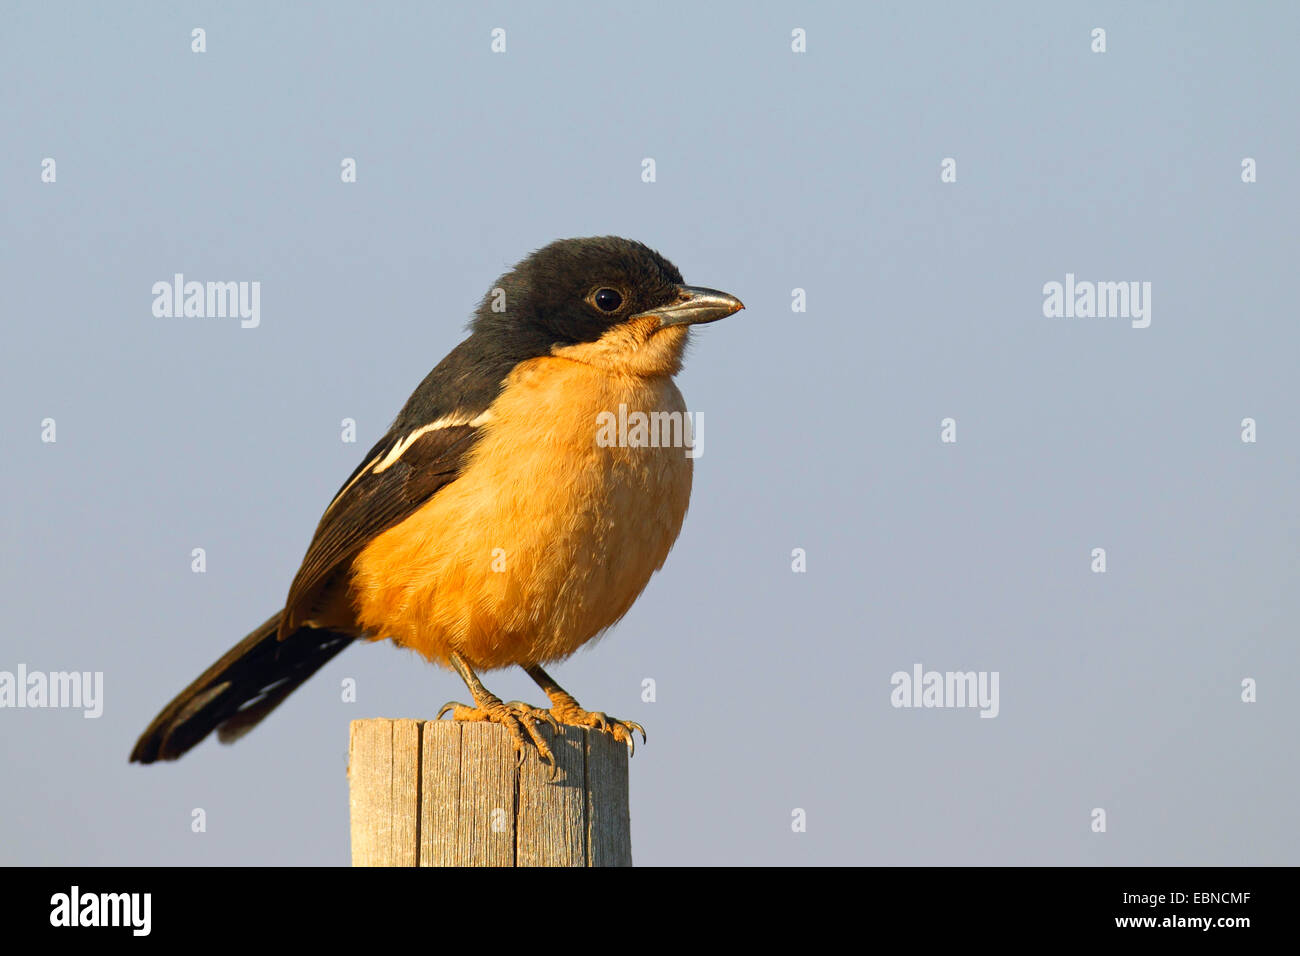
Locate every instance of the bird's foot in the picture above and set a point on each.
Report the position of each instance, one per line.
(567, 711)
(517, 718)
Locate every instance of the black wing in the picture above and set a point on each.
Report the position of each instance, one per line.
(400, 474)
(421, 453)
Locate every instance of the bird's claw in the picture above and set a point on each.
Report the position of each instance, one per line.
(620, 730)
(450, 705)
(536, 713)
(517, 718)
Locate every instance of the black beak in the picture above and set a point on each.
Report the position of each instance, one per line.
(694, 306)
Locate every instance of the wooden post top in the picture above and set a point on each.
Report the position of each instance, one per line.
(441, 793)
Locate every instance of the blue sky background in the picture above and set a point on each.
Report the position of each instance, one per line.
(775, 171)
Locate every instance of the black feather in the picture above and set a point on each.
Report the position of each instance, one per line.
(371, 504)
(240, 689)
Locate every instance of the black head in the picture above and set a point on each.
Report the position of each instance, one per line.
(572, 292)
(576, 290)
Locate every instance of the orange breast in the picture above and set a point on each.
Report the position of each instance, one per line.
(546, 538)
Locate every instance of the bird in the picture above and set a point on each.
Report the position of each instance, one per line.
(493, 525)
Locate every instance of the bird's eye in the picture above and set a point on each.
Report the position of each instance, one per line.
(607, 300)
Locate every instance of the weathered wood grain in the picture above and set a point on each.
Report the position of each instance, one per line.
(440, 793)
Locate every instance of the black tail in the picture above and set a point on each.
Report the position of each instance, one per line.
(236, 692)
